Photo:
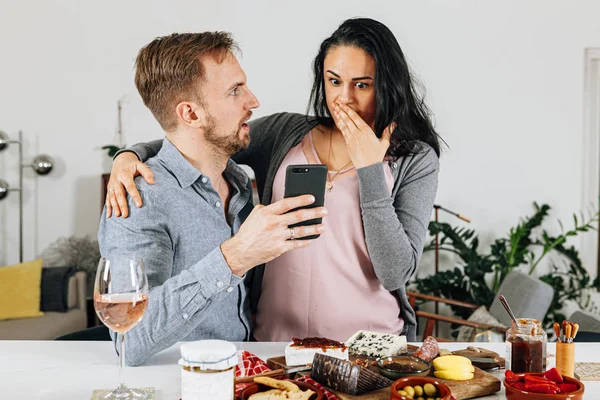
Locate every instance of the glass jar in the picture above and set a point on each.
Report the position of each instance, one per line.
(208, 370)
(526, 346)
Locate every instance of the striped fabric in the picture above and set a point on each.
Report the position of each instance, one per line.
(249, 365)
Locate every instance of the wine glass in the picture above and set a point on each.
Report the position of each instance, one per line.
(120, 300)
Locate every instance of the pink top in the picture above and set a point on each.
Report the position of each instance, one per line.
(328, 289)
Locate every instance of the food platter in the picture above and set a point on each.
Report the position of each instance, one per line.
(482, 383)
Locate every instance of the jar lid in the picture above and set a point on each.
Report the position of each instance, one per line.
(208, 354)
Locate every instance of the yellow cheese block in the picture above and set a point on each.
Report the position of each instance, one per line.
(450, 362)
(454, 375)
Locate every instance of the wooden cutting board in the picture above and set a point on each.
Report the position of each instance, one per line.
(484, 353)
(482, 384)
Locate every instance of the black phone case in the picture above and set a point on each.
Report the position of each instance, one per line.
(306, 179)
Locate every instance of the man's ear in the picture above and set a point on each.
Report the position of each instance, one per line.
(191, 114)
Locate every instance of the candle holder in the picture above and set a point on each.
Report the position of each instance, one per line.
(41, 165)
(565, 358)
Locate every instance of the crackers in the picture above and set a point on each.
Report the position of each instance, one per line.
(283, 390)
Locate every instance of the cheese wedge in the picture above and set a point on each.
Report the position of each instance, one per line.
(299, 355)
(375, 344)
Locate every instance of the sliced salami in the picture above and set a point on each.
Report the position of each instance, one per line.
(428, 350)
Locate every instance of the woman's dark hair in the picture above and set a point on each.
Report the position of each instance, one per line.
(396, 97)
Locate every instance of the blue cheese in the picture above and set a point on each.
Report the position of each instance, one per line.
(375, 344)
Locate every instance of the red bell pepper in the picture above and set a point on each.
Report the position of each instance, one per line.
(510, 377)
(537, 379)
(554, 375)
(567, 387)
(545, 388)
(549, 383)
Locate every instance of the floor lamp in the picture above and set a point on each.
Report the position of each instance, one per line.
(437, 207)
(41, 164)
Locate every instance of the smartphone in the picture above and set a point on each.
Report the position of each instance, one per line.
(306, 179)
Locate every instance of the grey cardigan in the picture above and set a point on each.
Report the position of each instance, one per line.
(395, 226)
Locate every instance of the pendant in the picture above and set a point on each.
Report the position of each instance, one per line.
(328, 186)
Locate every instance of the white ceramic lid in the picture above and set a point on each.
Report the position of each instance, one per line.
(208, 354)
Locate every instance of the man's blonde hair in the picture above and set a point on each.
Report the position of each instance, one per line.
(169, 68)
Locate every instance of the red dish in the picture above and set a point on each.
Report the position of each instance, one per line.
(517, 394)
(444, 391)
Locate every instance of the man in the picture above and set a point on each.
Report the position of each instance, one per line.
(197, 232)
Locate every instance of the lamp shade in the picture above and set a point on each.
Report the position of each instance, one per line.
(3, 189)
(3, 140)
(42, 164)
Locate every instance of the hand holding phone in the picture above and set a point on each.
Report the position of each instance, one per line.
(306, 179)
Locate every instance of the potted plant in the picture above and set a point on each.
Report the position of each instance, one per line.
(477, 276)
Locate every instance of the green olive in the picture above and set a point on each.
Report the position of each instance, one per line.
(418, 390)
(420, 398)
(402, 393)
(410, 392)
(430, 398)
(429, 390)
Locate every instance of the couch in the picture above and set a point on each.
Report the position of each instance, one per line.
(52, 324)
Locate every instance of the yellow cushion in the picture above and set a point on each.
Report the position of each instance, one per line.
(20, 290)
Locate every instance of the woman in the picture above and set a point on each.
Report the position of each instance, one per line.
(373, 132)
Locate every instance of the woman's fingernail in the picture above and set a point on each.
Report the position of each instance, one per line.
(325, 212)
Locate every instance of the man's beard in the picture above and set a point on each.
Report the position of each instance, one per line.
(228, 144)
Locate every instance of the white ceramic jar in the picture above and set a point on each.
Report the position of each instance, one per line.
(208, 370)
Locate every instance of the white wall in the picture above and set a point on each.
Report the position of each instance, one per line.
(504, 79)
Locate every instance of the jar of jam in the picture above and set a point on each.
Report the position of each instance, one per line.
(526, 346)
(208, 370)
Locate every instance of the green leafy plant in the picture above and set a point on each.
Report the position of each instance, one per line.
(478, 276)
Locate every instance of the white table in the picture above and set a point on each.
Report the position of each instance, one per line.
(60, 370)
